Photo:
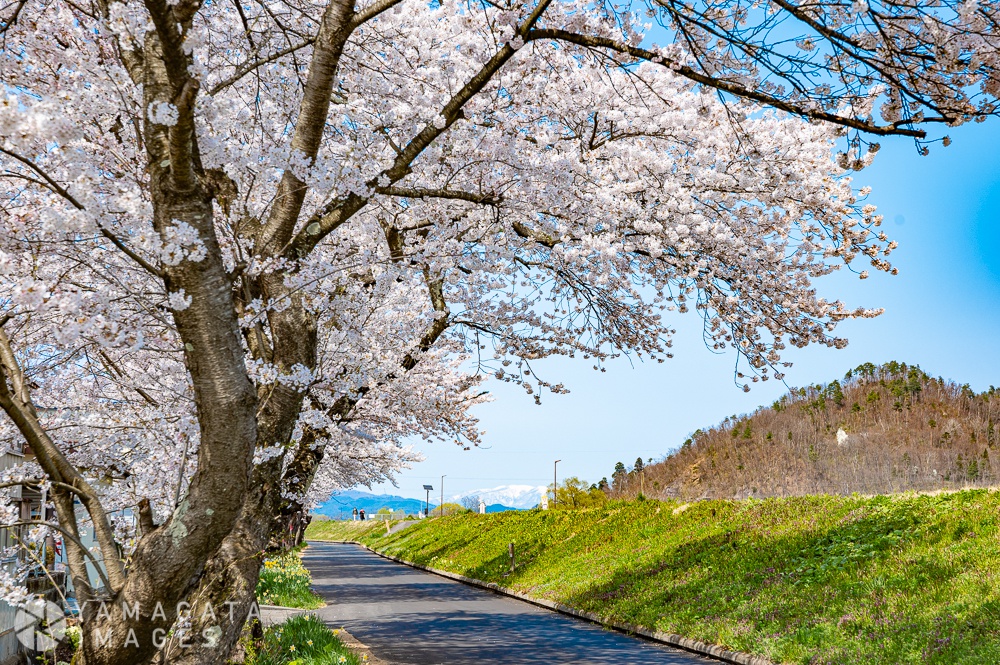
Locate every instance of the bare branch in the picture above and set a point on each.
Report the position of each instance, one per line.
(74, 539)
(56, 187)
(722, 85)
(243, 70)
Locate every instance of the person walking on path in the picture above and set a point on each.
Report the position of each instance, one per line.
(355, 515)
(362, 513)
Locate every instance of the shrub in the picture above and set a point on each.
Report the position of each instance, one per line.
(285, 581)
(301, 640)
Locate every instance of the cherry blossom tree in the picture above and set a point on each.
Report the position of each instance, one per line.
(249, 248)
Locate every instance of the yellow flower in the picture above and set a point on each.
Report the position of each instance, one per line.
(309, 642)
(291, 648)
(342, 659)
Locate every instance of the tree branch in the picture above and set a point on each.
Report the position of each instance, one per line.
(116, 370)
(445, 193)
(56, 187)
(331, 216)
(732, 88)
(71, 537)
(13, 19)
(63, 192)
(249, 67)
(21, 410)
(132, 254)
(371, 11)
(334, 31)
(531, 234)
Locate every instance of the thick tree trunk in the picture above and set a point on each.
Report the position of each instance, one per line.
(168, 561)
(230, 579)
(128, 628)
(206, 557)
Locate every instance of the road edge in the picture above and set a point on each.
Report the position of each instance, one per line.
(678, 641)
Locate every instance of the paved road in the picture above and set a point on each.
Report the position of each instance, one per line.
(409, 617)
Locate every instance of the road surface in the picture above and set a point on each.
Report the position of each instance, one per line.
(409, 617)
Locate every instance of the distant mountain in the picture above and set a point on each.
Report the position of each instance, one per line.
(342, 504)
(507, 496)
(499, 508)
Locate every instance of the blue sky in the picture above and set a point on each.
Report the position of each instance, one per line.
(940, 313)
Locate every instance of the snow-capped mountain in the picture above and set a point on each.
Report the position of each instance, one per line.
(514, 496)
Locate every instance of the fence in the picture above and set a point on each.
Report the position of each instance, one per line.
(9, 645)
(398, 515)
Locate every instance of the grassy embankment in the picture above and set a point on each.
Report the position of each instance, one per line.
(819, 580)
(285, 581)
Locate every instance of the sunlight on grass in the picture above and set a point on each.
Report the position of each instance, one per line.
(301, 640)
(285, 581)
(821, 580)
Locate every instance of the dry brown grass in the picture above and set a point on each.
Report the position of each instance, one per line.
(906, 431)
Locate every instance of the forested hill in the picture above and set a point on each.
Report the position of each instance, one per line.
(881, 429)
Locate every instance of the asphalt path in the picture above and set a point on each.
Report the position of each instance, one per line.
(410, 617)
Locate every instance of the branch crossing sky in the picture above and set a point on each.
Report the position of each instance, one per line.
(941, 313)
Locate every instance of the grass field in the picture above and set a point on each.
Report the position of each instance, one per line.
(813, 580)
(346, 530)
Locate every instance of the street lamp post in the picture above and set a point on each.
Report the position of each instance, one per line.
(442, 497)
(555, 481)
(427, 500)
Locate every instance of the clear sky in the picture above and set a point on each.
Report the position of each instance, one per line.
(941, 313)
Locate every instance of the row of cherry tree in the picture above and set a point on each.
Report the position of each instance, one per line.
(249, 247)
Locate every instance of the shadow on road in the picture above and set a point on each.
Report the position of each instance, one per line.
(409, 617)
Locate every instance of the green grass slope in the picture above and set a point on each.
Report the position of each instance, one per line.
(814, 580)
(343, 530)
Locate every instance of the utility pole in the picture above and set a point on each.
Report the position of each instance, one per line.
(555, 482)
(441, 507)
(427, 500)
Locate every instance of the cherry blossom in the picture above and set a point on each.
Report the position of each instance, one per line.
(252, 251)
